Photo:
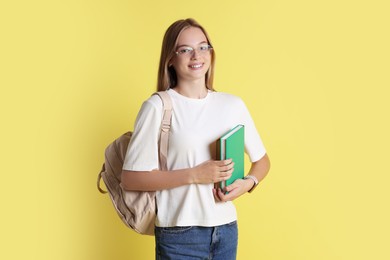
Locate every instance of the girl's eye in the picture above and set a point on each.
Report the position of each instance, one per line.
(204, 48)
(185, 50)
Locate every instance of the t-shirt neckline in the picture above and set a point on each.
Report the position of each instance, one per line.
(190, 99)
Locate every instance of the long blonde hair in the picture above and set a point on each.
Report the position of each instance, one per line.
(167, 77)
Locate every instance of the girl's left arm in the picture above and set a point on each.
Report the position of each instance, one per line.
(259, 169)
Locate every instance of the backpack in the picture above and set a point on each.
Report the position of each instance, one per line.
(137, 209)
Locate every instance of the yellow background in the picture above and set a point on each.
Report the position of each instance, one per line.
(314, 74)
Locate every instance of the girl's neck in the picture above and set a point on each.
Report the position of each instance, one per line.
(197, 91)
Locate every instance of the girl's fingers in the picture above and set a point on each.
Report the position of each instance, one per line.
(216, 195)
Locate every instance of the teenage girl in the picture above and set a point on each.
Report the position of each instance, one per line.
(194, 220)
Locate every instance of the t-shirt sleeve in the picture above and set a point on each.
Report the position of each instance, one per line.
(142, 152)
(254, 146)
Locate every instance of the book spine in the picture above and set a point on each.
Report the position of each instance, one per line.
(220, 156)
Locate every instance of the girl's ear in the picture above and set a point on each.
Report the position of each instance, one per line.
(170, 62)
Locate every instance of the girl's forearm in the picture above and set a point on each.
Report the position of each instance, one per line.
(155, 180)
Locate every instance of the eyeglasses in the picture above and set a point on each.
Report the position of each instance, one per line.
(189, 51)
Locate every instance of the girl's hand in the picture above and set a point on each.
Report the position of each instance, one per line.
(236, 189)
(212, 171)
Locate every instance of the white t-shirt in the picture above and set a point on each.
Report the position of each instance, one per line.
(196, 125)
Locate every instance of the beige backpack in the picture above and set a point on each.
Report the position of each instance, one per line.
(137, 209)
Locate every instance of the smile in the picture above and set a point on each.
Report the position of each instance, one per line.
(196, 66)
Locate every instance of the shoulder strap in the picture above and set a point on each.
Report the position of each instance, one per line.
(165, 128)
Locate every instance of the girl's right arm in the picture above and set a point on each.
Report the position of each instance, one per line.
(208, 172)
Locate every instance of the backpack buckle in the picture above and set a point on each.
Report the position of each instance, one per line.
(165, 126)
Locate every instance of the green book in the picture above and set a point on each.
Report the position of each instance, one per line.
(231, 146)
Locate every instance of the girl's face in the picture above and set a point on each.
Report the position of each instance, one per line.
(193, 57)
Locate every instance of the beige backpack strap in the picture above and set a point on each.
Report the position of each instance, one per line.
(98, 181)
(165, 128)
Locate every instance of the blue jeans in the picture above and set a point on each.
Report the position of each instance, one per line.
(193, 242)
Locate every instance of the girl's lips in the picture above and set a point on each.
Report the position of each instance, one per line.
(196, 66)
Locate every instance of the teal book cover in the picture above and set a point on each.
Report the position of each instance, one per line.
(231, 146)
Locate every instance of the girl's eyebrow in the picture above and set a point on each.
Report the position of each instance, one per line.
(185, 45)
